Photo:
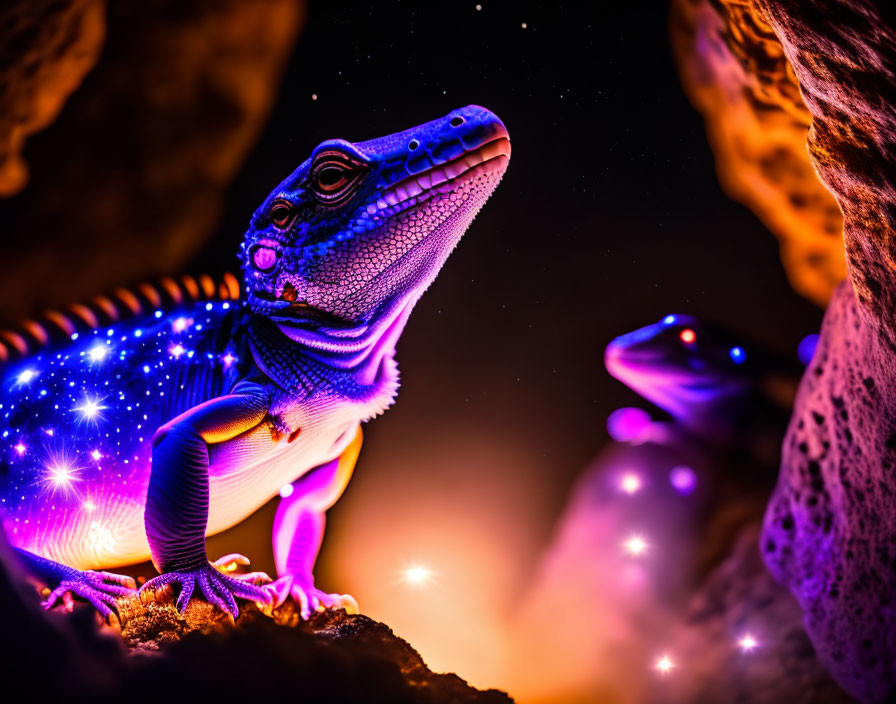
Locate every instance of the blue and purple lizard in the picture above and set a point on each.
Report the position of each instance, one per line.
(140, 437)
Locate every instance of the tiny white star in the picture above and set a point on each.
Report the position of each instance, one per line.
(20, 448)
(747, 643)
(26, 376)
(95, 454)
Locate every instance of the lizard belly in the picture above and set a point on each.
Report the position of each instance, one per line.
(248, 471)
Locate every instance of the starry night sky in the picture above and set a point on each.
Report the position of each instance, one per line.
(610, 216)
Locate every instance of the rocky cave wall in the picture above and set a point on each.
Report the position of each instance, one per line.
(734, 71)
(156, 106)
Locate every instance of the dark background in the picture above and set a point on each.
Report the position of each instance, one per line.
(610, 216)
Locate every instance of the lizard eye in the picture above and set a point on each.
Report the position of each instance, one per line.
(264, 258)
(331, 178)
(281, 214)
(334, 177)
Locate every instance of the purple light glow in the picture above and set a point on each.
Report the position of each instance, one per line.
(627, 424)
(683, 479)
(806, 349)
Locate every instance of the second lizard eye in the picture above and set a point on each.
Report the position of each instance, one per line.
(281, 214)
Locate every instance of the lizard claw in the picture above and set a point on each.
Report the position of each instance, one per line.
(308, 597)
(217, 588)
(229, 563)
(93, 587)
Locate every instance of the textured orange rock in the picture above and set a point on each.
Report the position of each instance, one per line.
(735, 73)
(848, 79)
(128, 183)
(46, 48)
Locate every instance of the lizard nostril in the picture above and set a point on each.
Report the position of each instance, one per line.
(413, 144)
(456, 121)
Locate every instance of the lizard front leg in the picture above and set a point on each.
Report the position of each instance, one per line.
(299, 529)
(176, 515)
(101, 589)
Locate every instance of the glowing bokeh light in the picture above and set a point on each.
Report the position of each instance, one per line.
(177, 350)
(180, 324)
(635, 546)
(286, 491)
(628, 424)
(687, 336)
(20, 448)
(669, 320)
(417, 575)
(96, 454)
(806, 349)
(630, 483)
(683, 479)
(737, 354)
(664, 665)
(229, 359)
(747, 643)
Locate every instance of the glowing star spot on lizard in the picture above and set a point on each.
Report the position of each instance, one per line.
(60, 475)
(26, 376)
(20, 448)
(96, 454)
(90, 409)
(176, 350)
(98, 353)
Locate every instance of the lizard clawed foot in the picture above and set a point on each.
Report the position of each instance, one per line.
(217, 588)
(101, 589)
(308, 596)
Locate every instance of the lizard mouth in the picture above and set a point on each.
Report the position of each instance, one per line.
(298, 312)
(489, 158)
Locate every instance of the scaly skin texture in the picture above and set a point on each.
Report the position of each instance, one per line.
(200, 414)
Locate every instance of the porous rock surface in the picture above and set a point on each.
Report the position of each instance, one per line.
(830, 528)
(734, 71)
(128, 183)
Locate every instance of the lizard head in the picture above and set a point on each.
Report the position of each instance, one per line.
(688, 368)
(360, 229)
